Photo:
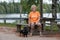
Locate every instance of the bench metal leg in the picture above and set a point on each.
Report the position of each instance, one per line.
(18, 28)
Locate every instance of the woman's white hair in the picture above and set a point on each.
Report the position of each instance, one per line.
(33, 6)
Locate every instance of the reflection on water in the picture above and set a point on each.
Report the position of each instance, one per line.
(11, 16)
(47, 15)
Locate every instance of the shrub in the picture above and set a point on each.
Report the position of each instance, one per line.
(47, 28)
(55, 27)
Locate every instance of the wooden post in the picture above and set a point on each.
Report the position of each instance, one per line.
(54, 8)
(41, 11)
(41, 7)
(20, 10)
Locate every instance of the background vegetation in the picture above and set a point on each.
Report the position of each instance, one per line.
(26, 4)
(14, 7)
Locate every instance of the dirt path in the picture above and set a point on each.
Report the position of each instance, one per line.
(9, 34)
(4, 36)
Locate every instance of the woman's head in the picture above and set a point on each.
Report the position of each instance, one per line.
(33, 7)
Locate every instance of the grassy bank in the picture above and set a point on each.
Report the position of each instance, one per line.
(7, 25)
(47, 28)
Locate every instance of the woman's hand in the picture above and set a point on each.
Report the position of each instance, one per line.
(37, 22)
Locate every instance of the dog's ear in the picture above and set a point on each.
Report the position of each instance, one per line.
(25, 28)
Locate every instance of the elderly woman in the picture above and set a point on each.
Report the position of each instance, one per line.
(34, 18)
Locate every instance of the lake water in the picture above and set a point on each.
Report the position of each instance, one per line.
(47, 15)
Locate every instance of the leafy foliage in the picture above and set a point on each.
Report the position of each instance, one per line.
(54, 27)
(9, 7)
(26, 4)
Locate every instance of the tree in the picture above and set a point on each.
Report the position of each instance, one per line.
(47, 8)
(58, 7)
(11, 6)
(26, 4)
(5, 6)
(2, 9)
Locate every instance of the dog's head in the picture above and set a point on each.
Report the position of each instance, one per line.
(25, 28)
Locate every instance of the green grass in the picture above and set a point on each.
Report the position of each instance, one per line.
(47, 28)
(54, 27)
(7, 25)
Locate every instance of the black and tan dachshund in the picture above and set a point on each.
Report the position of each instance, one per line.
(25, 31)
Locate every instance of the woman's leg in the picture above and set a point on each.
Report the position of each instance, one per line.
(32, 28)
(39, 27)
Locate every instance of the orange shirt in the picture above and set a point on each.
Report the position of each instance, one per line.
(34, 16)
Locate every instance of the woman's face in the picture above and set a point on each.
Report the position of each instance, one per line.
(34, 8)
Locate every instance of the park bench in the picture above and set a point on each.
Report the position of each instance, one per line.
(58, 25)
(22, 24)
(19, 26)
(50, 24)
(42, 23)
(47, 19)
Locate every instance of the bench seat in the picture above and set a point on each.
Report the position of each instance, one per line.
(19, 26)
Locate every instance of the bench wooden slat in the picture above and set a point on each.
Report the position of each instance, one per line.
(22, 24)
